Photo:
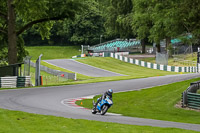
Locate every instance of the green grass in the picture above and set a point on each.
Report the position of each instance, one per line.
(133, 71)
(154, 103)
(198, 91)
(171, 62)
(53, 52)
(21, 122)
(150, 59)
(192, 57)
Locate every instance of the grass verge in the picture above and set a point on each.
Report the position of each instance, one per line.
(53, 52)
(121, 67)
(198, 91)
(21, 122)
(154, 103)
(181, 60)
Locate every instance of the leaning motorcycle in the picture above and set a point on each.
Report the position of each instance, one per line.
(102, 106)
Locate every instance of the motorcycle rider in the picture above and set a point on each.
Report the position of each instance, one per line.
(107, 93)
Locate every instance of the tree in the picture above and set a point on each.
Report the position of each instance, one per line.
(141, 21)
(190, 17)
(86, 27)
(19, 15)
(166, 21)
(118, 18)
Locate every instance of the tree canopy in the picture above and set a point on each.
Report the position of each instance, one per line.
(19, 15)
(118, 18)
(83, 22)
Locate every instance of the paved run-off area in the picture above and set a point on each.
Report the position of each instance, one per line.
(48, 100)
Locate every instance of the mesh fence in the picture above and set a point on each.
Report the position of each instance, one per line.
(181, 49)
(27, 66)
(161, 58)
(49, 79)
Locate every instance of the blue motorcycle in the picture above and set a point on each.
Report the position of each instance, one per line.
(102, 106)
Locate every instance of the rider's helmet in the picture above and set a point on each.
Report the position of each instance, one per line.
(110, 91)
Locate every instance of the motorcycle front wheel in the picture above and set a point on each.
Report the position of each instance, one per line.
(104, 109)
(94, 112)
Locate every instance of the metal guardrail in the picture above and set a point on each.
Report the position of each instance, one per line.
(8, 82)
(14, 81)
(56, 72)
(190, 98)
(24, 81)
(193, 100)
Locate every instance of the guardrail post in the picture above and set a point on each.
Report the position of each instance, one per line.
(37, 72)
(184, 99)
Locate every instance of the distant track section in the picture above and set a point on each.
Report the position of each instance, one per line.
(81, 68)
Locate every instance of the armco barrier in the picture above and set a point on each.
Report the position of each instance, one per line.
(23, 81)
(8, 82)
(14, 81)
(56, 72)
(153, 65)
(193, 100)
(190, 98)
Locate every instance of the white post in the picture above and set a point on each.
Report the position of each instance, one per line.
(37, 71)
(82, 49)
(75, 78)
(39, 62)
(198, 53)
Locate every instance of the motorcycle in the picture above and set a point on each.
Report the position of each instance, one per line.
(102, 106)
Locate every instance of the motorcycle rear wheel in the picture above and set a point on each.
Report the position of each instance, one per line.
(104, 109)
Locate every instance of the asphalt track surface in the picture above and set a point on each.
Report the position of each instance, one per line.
(48, 100)
(81, 68)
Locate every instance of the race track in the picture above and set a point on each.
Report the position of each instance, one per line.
(48, 100)
(81, 68)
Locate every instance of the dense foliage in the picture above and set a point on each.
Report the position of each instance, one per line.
(85, 28)
(75, 22)
(19, 15)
